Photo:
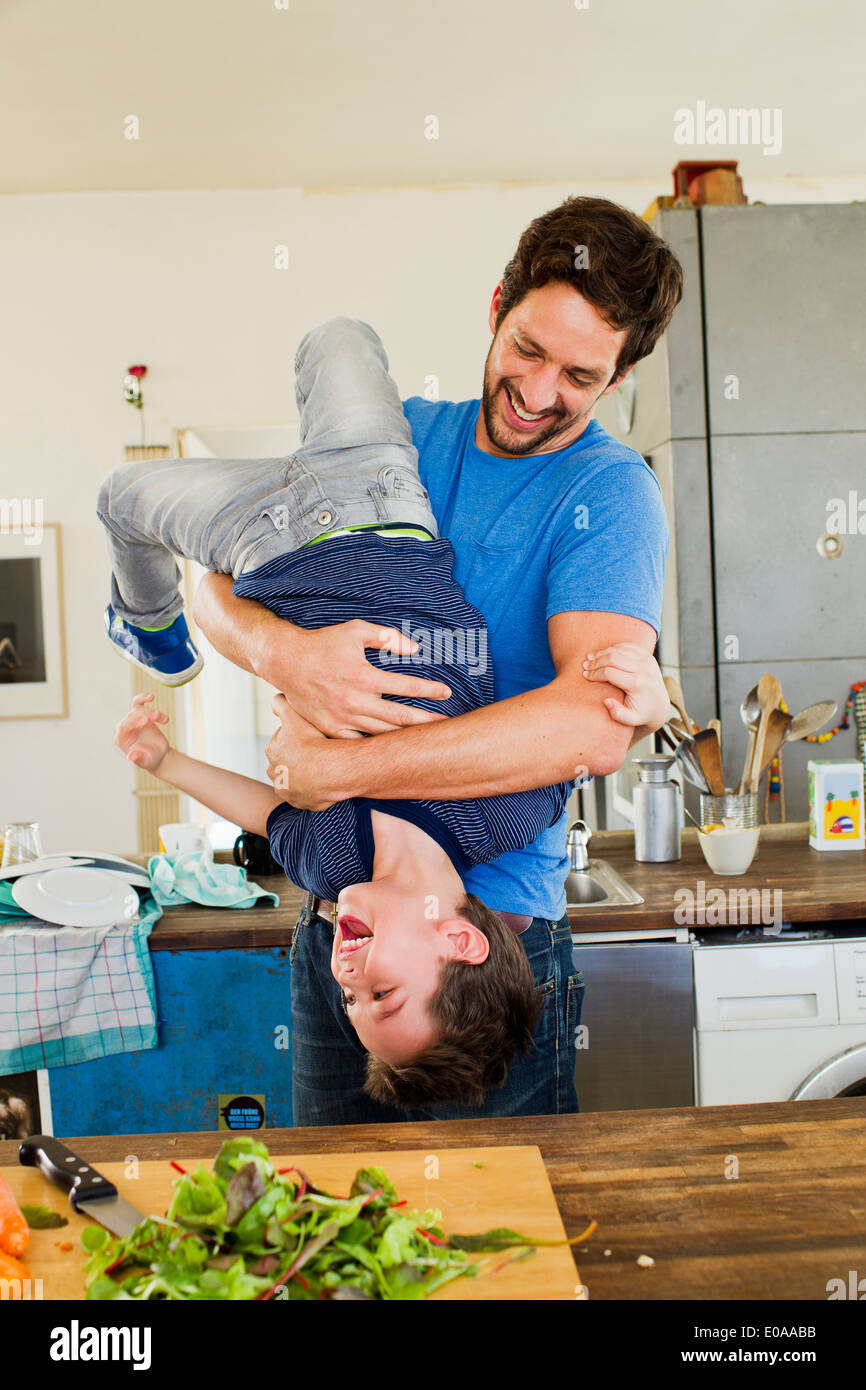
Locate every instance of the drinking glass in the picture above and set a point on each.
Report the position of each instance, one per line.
(22, 843)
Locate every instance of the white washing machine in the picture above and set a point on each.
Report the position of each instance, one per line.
(780, 1019)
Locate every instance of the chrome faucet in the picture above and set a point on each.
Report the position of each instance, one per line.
(576, 841)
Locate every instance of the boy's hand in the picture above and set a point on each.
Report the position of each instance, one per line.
(138, 736)
(636, 672)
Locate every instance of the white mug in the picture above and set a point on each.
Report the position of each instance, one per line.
(184, 838)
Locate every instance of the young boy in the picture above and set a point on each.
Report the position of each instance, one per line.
(341, 530)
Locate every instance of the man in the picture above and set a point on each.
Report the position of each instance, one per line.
(561, 541)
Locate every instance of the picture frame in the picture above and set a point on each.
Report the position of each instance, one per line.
(25, 1106)
(32, 639)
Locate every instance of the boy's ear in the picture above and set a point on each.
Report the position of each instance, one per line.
(470, 942)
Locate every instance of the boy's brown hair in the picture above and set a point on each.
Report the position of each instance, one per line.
(485, 1014)
(610, 256)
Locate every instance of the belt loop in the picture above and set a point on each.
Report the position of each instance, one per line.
(380, 502)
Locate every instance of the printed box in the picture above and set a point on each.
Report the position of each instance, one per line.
(836, 804)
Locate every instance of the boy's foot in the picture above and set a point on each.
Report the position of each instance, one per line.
(168, 654)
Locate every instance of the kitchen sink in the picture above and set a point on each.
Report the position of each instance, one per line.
(599, 885)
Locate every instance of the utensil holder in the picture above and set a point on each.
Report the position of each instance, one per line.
(741, 811)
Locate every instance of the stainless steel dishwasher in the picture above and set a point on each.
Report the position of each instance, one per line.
(635, 1044)
(636, 1039)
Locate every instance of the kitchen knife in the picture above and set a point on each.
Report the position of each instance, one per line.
(90, 1193)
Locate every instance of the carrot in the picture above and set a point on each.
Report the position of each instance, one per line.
(14, 1231)
(10, 1268)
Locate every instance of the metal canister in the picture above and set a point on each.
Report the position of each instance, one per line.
(658, 810)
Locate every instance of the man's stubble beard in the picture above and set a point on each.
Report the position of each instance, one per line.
(534, 443)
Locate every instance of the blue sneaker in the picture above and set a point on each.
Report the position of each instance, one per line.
(168, 655)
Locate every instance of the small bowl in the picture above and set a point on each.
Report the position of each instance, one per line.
(729, 849)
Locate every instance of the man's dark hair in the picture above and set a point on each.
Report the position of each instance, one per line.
(484, 1014)
(611, 257)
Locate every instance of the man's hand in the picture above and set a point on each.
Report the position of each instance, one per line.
(328, 680)
(636, 672)
(323, 672)
(291, 756)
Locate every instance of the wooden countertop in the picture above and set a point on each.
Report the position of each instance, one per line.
(658, 1182)
(815, 886)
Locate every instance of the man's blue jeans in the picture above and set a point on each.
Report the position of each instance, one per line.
(329, 1063)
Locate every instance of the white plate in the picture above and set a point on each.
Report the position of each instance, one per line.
(121, 869)
(102, 857)
(38, 866)
(113, 863)
(77, 897)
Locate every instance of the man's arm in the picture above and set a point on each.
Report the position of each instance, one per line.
(323, 672)
(555, 733)
(239, 628)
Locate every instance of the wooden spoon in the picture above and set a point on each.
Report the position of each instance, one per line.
(675, 692)
(769, 695)
(709, 756)
(811, 719)
(777, 729)
(716, 726)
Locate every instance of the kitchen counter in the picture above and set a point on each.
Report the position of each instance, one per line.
(731, 1202)
(815, 887)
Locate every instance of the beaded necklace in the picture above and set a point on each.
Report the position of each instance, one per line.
(857, 702)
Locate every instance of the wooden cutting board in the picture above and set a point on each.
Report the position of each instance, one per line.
(510, 1188)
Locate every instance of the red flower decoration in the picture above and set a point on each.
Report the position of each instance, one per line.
(137, 371)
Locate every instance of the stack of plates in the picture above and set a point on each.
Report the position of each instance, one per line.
(74, 890)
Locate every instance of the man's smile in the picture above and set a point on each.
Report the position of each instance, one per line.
(520, 419)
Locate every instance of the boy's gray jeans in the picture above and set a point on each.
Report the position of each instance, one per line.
(356, 465)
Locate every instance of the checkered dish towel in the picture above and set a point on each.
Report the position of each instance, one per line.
(69, 994)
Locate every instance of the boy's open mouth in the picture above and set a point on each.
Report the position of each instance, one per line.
(355, 934)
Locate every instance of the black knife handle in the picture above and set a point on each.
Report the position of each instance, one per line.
(64, 1168)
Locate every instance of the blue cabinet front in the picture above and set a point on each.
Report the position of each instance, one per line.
(224, 1022)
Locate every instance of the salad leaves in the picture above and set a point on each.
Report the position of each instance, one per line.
(41, 1218)
(246, 1231)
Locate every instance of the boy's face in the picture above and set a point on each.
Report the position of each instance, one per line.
(387, 957)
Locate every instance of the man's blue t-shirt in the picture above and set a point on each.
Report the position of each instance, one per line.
(579, 529)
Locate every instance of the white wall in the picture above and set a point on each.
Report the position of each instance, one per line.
(185, 282)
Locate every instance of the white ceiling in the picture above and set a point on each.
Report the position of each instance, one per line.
(334, 93)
